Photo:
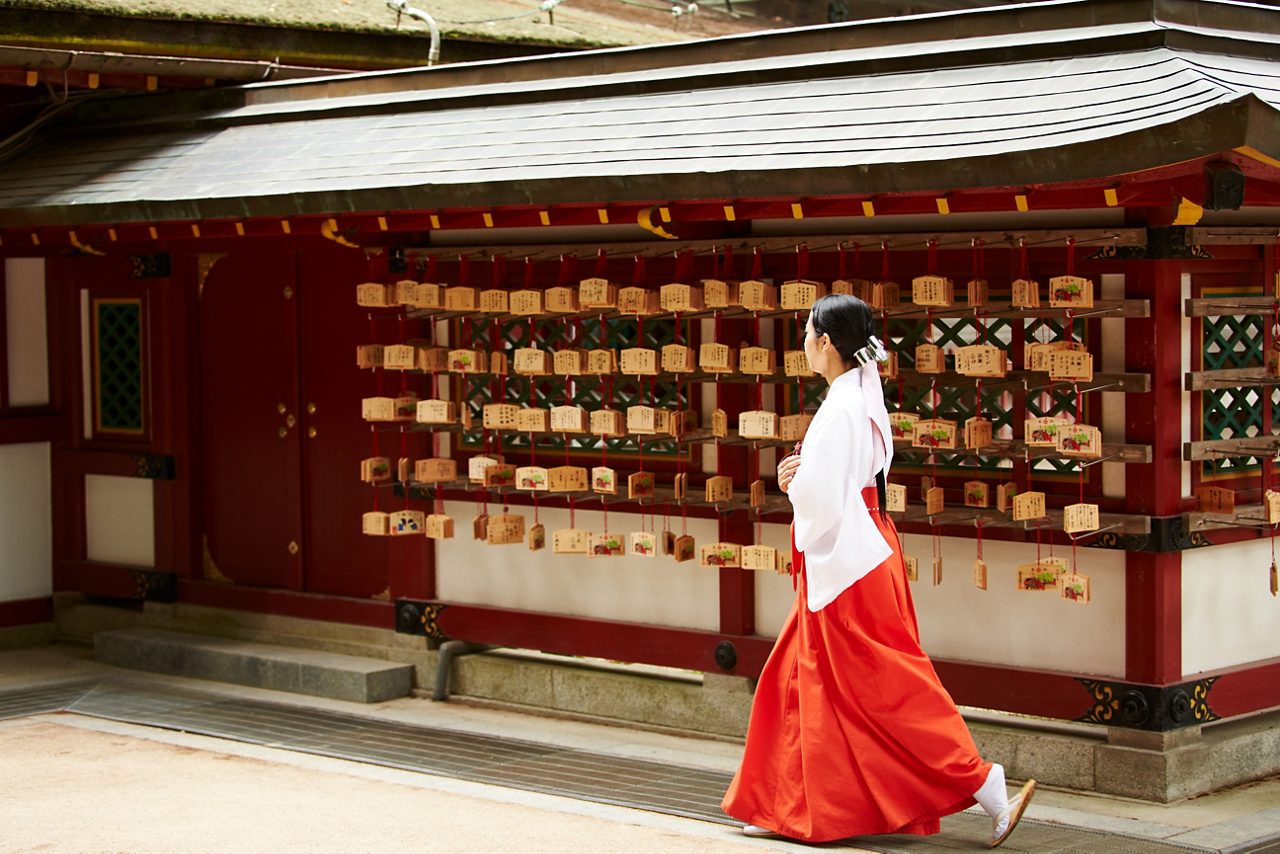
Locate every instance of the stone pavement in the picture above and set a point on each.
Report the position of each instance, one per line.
(342, 776)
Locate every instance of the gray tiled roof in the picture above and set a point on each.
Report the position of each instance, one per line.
(709, 130)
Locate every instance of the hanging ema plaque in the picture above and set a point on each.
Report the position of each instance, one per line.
(981, 360)
(642, 544)
(376, 524)
(934, 434)
(1070, 292)
(719, 489)
(597, 293)
(903, 424)
(537, 538)
(1025, 293)
(977, 432)
(533, 420)
(679, 298)
(678, 359)
(505, 530)
(932, 290)
(1078, 440)
(640, 484)
(439, 527)
(608, 545)
(721, 555)
(1028, 506)
(1075, 588)
(561, 300)
(604, 480)
(896, 498)
(758, 424)
(567, 479)
(1077, 518)
(571, 541)
(930, 359)
(532, 478)
(976, 494)
(757, 360)
(717, 358)
(760, 558)
(800, 294)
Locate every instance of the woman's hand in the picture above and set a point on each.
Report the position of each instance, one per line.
(787, 469)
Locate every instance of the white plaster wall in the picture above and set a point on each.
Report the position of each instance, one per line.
(1229, 616)
(26, 522)
(120, 519)
(25, 331)
(657, 591)
(999, 625)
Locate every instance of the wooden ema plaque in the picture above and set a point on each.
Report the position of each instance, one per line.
(885, 295)
(1070, 366)
(467, 361)
(755, 493)
(721, 555)
(1272, 360)
(435, 470)
(569, 363)
(981, 360)
(608, 422)
(719, 424)
(1028, 506)
(757, 361)
(536, 538)
(784, 563)
(1078, 440)
(976, 494)
(1043, 432)
(597, 293)
(604, 480)
(758, 424)
(937, 570)
(637, 361)
(369, 356)
(533, 362)
(505, 530)
(933, 290)
(1075, 588)
(526, 303)
(642, 420)
(532, 478)
(792, 428)
(439, 527)
(717, 358)
(1036, 355)
(760, 558)
(375, 295)
(978, 433)
(495, 301)
(567, 479)
(608, 544)
(376, 524)
(719, 294)
(934, 501)
(1024, 293)
(796, 364)
(977, 293)
(533, 420)
(888, 369)
(642, 544)
(561, 300)
(406, 522)
(433, 359)
(569, 419)
(375, 470)
(571, 541)
(498, 364)
(1215, 499)
(980, 574)
(860, 288)
(1005, 493)
(640, 484)
(678, 359)
(404, 469)
(477, 465)
(903, 424)
(912, 567)
(1038, 576)
(602, 362)
(895, 496)
(435, 411)
(684, 548)
(934, 434)
(460, 298)
(1271, 504)
(400, 357)
(378, 409)
(500, 416)
(719, 489)
(1070, 292)
(801, 294)
(406, 290)
(680, 486)
(1080, 517)
(678, 298)
(755, 295)
(638, 301)
(406, 407)
(930, 359)
(500, 474)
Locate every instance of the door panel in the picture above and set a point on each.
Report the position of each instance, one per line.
(249, 419)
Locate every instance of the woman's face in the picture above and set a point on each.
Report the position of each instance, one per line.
(817, 348)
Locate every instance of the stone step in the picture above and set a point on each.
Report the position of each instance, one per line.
(259, 665)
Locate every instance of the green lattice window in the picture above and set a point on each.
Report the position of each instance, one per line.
(119, 406)
(586, 391)
(1233, 341)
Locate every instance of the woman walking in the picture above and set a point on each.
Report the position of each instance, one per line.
(851, 732)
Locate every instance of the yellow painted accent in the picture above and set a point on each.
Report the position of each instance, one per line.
(94, 80)
(329, 231)
(868, 209)
(111, 235)
(382, 223)
(797, 211)
(544, 217)
(1189, 213)
(155, 235)
(645, 219)
(83, 247)
(152, 82)
(1255, 154)
(435, 221)
(240, 229)
(488, 220)
(35, 239)
(285, 227)
(944, 207)
(195, 230)
(665, 213)
(604, 216)
(33, 78)
(729, 213)
(1110, 195)
(1021, 202)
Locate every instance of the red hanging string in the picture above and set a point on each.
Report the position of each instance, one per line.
(840, 261)
(932, 256)
(857, 260)
(802, 261)
(715, 262)
(1071, 256)
(1023, 269)
(404, 452)
(404, 375)
(757, 264)
(726, 268)
(432, 273)
(602, 264)
(928, 325)
(374, 432)
(884, 260)
(639, 273)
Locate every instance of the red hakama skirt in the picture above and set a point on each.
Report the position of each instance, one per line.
(851, 732)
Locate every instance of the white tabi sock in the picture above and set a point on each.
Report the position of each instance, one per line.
(992, 797)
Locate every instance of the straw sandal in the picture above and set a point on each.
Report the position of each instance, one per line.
(1012, 814)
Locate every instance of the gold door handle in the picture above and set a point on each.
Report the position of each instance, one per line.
(281, 408)
(290, 422)
(311, 409)
(293, 547)
(311, 432)
(283, 432)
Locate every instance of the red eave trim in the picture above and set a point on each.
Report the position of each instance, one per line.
(288, 603)
(26, 612)
(21, 429)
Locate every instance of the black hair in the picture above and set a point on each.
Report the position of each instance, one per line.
(847, 320)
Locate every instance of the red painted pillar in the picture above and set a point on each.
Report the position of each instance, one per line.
(1153, 580)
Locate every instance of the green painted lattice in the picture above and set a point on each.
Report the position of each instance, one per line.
(118, 369)
(1233, 341)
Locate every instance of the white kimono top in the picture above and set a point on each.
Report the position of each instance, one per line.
(840, 455)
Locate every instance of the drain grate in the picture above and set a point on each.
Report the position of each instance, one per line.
(638, 784)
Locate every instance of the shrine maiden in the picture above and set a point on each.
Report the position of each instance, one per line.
(851, 732)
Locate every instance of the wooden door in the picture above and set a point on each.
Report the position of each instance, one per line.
(249, 420)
